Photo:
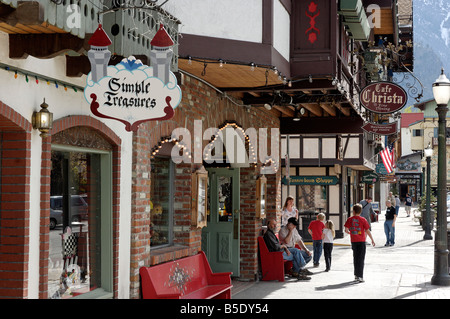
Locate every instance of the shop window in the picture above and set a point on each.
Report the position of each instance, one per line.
(80, 252)
(312, 198)
(161, 196)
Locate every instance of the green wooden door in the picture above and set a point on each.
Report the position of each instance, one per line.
(220, 238)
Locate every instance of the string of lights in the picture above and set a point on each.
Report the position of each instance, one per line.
(184, 151)
(38, 78)
(252, 66)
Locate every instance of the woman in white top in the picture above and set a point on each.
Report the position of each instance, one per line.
(288, 211)
(329, 234)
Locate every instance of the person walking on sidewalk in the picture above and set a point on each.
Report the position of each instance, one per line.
(358, 227)
(315, 229)
(389, 224)
(408, 204)
(391, 197)
(397, 204)
(367, 210)
(328, 237)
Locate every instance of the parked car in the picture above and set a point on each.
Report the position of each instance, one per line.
(55, 218)
(79, 206)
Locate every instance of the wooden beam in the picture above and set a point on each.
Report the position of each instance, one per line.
(285, 110)
(345, 110)
(314, 108)
(44, 45)
(329, 108)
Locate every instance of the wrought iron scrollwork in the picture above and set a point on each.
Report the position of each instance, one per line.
(386, 63)
(411, 82)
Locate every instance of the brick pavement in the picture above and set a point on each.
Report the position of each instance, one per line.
(403, 271)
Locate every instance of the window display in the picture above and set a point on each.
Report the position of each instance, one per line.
(75, 224)
(161, 210)
(199, 198)
(312, 198)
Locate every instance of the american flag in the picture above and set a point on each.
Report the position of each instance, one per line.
(387, 155)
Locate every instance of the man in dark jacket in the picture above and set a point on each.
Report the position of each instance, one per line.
(292, 254)
(367, 210)
(389, 224)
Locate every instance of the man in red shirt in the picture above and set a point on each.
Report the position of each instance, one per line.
(357, 227)
(315, 229)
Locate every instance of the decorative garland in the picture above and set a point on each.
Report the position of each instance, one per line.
(38, 77)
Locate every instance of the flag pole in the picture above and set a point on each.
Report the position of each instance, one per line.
(383, 148)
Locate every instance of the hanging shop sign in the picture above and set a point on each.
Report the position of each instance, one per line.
(380, 129)
(131, 92)
(370, 178)
(311, 180)
(381, 169)
(383, 97)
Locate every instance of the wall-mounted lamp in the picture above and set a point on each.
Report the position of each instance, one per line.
(43, 120)
(298, 114)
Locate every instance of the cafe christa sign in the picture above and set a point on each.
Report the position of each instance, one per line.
(383, 97)
(131, 92)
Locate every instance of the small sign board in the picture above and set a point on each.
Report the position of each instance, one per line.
(370, 178)
(381, 169)
(380, 129)
(383, 97)
(311, 180)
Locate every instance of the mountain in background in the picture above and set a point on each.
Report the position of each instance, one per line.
(431, 42)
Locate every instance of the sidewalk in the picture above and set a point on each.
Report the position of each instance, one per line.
(399, 272)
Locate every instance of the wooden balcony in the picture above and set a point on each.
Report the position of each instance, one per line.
(48, 28)
(48, 17)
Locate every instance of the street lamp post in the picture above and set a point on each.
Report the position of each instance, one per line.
(427, 220)
(441, 93)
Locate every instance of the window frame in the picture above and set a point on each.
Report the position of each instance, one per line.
(171, 208)
(106, 291)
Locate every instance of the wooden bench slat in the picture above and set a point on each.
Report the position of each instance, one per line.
(208, 292)
(189, 277)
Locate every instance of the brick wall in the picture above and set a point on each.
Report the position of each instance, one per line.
(201, 102)
(14, 203)
(44, 234)
(140, 207)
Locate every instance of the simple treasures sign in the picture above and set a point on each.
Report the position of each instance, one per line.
(131, 92)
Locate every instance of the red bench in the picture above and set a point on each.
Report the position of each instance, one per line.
(273, 266)
(272, 263)
(186, 278)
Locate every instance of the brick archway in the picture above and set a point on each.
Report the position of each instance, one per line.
(103, 130)
(15, 136)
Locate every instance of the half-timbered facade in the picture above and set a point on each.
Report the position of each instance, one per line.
(276, 77)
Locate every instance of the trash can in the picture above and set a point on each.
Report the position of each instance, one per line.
(307, 217)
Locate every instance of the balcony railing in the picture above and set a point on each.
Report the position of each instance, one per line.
(47, 16)
(130, 29)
